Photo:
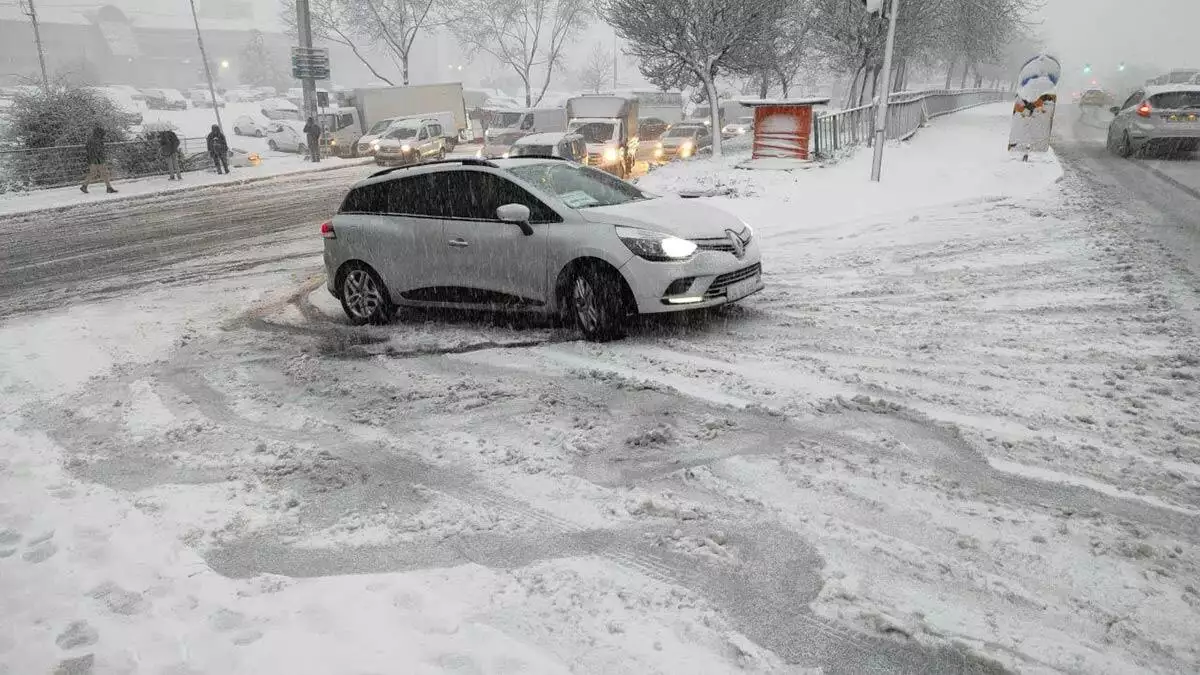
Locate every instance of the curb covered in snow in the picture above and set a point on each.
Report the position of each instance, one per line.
(171, 190)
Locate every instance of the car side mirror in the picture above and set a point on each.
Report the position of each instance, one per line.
(1116, 110)
(515, 213)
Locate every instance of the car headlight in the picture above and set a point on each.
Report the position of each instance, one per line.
(479, 152)
(655, 245)
(685, 150)
(610, 155)
(505, 155)
(741, 131)
(658, 151)
(405, 147)
(374, 145)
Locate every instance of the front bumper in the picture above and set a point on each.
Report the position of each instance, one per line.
(716, 278)
(395, 159)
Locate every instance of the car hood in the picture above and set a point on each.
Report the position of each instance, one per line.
(686, 218)
(677, 141)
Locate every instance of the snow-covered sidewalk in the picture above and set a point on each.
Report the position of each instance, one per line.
(269, 167)
(956, 433)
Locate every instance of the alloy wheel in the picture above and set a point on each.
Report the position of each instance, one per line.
(363, 296)
(587, 311)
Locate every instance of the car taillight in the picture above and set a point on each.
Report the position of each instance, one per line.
(327, 231)
(1144, 109)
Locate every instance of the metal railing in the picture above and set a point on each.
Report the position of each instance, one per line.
(40, 168)
(907, 112)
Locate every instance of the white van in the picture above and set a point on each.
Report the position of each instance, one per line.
(505, 127)
(369, 142)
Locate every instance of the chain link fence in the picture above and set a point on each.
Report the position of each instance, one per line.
(907, 112)
(40, 168)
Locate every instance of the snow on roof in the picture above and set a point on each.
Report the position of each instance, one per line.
(546, 138)
(1169, 88)
(753, 103)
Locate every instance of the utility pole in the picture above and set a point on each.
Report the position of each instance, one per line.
(615, 52)
(212, 91)
(304, 29)
(31, 12)
(882, 109)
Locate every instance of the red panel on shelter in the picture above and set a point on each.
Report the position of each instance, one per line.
(782, 131)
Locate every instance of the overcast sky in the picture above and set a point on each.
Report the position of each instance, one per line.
(1159, 34)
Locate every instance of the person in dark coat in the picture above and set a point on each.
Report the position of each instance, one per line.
(218, 149)
(168, 145)
(312, 131)
(97, 162)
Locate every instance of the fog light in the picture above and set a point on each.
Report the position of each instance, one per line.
(679, 286)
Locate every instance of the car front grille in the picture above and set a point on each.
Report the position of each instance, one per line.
(718, 286)
(715, 244)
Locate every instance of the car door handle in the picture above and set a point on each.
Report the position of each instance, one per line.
(459, 243)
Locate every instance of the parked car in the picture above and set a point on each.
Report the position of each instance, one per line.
(132, 92)
(411, 141)
(682, 141)
(279, 109)
(368, 142)
(129, 109)
(558, 144)
(538, 235)
(202, 98)
(165, 99)
(1159, 117)
(243, 95)
(249, 125)
(287, 136)
(739, 127)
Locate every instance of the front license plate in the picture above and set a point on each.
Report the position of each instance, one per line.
(741, 289)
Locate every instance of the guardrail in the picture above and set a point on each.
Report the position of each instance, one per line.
(57, 166)
(907, 112)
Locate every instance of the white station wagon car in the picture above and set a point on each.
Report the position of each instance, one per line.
(532, 234)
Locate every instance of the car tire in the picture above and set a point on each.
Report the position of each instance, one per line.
(364, 296)
(237, 132)
(441, 154)
(272, 145)
(1125, 146)
(597, 303)
(302, 149)
(258, 133)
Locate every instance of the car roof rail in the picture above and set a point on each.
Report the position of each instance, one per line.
(465, 161)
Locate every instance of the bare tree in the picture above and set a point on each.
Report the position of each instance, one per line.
(362, 24)
(680, 42)
(783, 49)
(527, 36)
(598, 70)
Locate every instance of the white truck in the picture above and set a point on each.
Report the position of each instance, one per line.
(609, 125)
(506, 127)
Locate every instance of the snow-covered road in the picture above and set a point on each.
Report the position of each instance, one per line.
(956, 433)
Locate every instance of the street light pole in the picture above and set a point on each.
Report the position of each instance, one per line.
(212, 91)
(37, 38)
(882, 110)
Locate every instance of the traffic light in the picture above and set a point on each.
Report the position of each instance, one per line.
(1087, 69)
(1121, 67)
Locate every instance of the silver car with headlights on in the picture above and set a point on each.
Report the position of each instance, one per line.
(537, 235)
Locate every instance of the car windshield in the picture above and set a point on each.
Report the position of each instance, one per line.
(1182, 76)
(579, 187)
(682, 132)
(595, 132)
(379, 127)
(402, 133)
(1176, 100)
(506, 119)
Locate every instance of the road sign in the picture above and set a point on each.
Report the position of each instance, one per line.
(310, 63)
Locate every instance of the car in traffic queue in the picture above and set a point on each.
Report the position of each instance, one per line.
(410, 142)
(534, 235)
(554, 144)
(278, 109)
(739, 127)
(236, 157)
(682, 141)
(1157, 117)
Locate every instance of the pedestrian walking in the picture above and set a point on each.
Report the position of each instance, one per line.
(218, 149)
(97, 162)
(313, 131)
(168, 143)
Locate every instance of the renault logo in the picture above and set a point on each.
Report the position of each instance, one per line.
(739, 249)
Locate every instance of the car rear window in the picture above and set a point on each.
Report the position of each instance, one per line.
(1176, 100)
(522, 150)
